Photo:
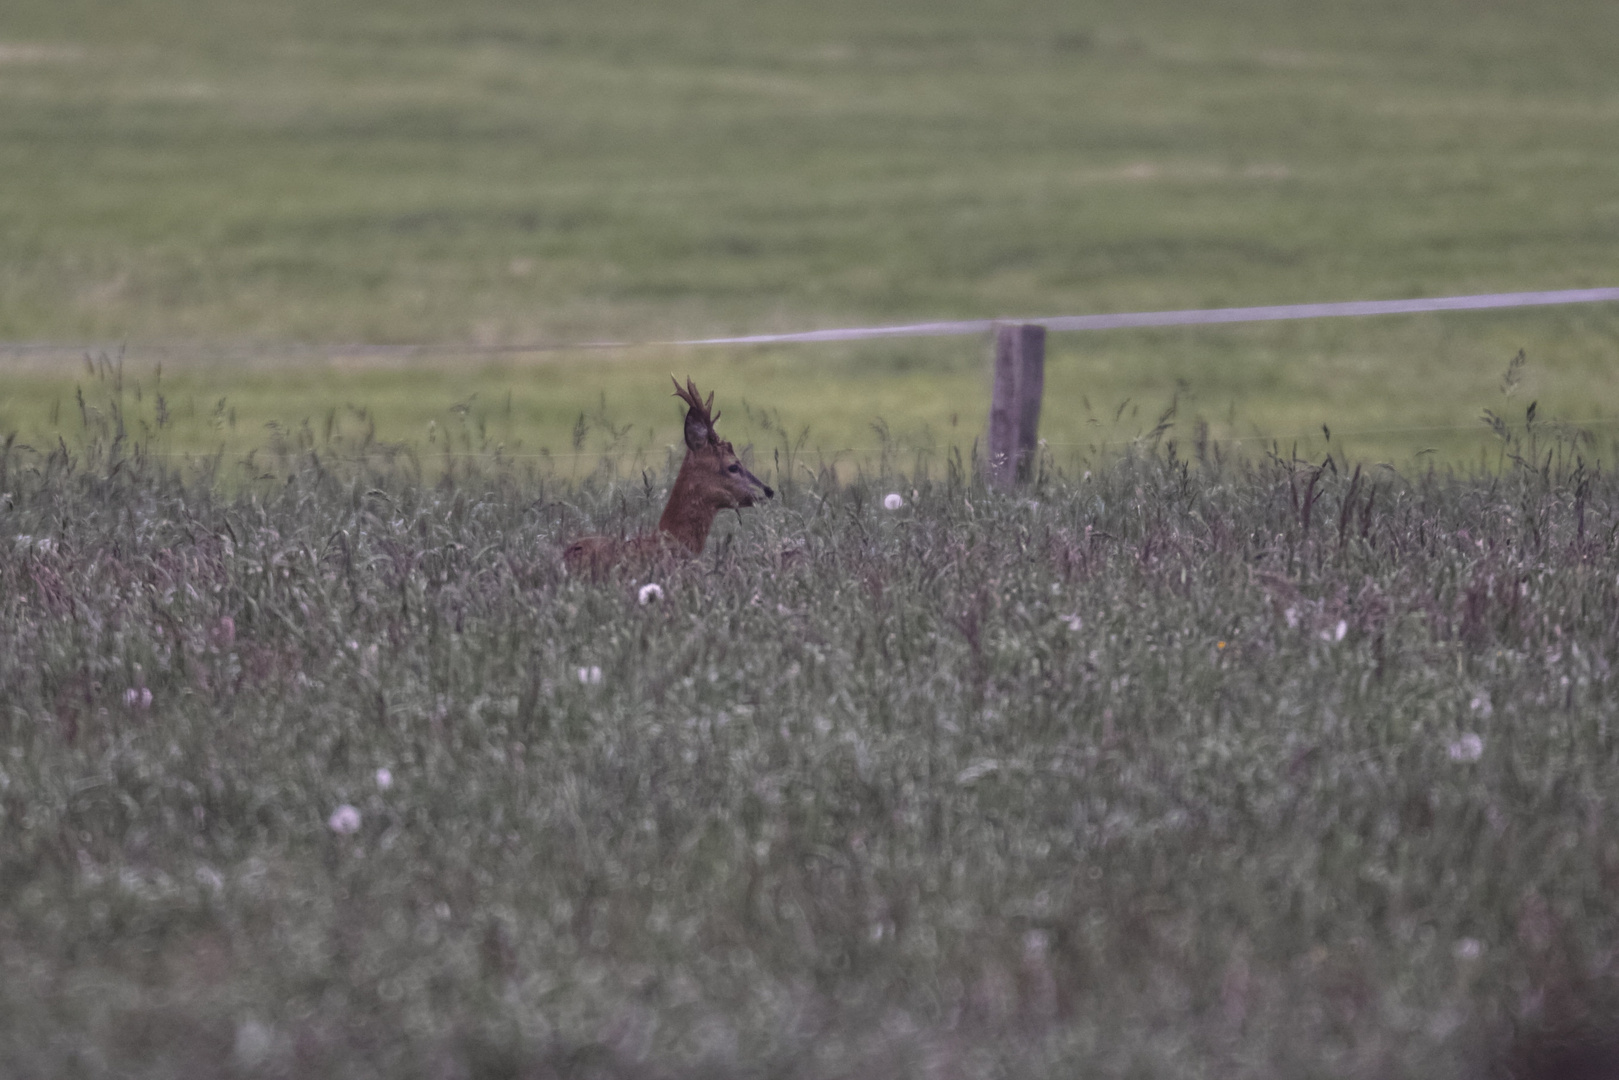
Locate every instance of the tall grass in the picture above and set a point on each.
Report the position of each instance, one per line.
(1174, 764)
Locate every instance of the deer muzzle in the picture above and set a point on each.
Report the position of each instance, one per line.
(770, 492)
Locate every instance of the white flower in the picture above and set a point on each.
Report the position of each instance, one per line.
(1469, 948)
(385, 778)
(344, 820)
(590, 676)
(138, 697)
(649, 592)
(1467, 748)
(1336, 633)
(1073, 622)
(893, 500)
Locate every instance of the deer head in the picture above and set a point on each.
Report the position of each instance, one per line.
(711, 479)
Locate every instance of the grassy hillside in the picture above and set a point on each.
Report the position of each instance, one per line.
(230, 176)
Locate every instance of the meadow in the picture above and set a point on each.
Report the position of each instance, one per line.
(1171, 764)
(242, 192)
(1267, 733)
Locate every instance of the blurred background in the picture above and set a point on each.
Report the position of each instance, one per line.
(310, 209)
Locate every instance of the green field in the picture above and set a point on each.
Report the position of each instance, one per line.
(1268, 733)
(212, 184)
(1168, 769)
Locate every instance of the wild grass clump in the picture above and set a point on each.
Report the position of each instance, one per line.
(1171, 767)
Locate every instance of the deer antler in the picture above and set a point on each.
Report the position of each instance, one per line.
(694, 398)
(691, 397)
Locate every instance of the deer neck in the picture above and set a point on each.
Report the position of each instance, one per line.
(688, 516)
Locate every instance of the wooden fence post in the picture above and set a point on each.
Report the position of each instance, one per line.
(1014, 411)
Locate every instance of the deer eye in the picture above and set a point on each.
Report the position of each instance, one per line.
(733, 468)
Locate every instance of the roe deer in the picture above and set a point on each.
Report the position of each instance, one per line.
(711, 479)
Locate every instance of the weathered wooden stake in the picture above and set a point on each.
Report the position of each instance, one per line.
(1014, 411)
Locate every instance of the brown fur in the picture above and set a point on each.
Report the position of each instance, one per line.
(711, 478)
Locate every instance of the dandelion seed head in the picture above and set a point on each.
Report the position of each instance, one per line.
(344, 820)
(649, 592)
(385, 778)
(1469, 948)
(893, 500)
(1469, 747)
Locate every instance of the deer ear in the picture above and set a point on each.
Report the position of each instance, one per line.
(698, 433)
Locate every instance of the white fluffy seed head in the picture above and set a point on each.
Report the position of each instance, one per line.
(893, 500)
(344, 820)
(1469, 747)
